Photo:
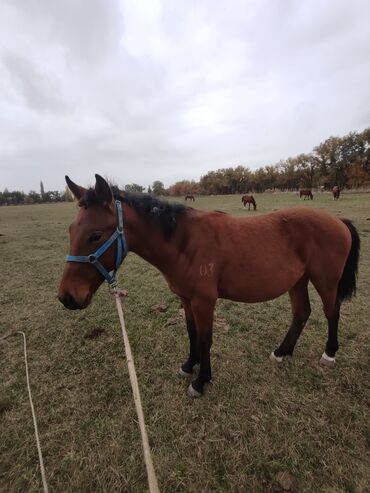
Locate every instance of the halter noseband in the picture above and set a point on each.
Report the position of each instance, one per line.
(122, 250)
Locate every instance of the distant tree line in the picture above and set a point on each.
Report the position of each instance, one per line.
(343, 161)
(17, 197)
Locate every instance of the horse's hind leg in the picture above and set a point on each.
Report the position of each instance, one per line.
(332, 346)
(331, 307)
(301, 311)
(328, 291)
(203, 315)
(186, 370)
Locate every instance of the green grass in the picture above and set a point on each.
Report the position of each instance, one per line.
(257, 423)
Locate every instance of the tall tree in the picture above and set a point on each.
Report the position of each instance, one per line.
(307, 169)
(184, 187)
(331, 163)
(365, 136)
(158, 188)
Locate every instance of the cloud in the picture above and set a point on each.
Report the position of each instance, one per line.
(167, 90)
(36, 89)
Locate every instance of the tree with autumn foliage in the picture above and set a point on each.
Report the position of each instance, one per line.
(184, 187)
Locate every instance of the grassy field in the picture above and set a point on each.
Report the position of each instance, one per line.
(259, 427)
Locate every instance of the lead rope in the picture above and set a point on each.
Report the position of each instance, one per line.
(42, 468)
(152, 479)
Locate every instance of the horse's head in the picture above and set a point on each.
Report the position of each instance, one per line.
(95, 223)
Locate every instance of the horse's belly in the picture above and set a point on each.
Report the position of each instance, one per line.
(254, 287)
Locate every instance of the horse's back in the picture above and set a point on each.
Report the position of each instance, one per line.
(294, 225)
(316, 237)
(298, 225)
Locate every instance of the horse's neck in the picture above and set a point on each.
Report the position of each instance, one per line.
(147, 241)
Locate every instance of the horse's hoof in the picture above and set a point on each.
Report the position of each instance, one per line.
(192, 392)
(185, 374)
(327, 361)
(278, 359)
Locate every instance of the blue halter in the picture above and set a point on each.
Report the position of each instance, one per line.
(122, 250)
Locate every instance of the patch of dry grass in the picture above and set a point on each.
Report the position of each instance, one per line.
(259, 427)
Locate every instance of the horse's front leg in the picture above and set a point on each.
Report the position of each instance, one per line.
(186, 370)
(203, 315)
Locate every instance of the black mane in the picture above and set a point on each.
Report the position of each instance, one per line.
(158, 211)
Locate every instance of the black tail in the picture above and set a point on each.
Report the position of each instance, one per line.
(347, 283)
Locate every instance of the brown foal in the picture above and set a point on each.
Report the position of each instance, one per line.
(207, 255)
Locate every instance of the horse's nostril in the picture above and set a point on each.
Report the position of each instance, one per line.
(69, 302)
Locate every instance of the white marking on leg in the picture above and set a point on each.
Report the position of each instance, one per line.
(327, 361)
(327, 358)
(273, 357)
(185, 374)
(192, 392)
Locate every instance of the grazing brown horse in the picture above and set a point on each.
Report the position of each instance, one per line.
(190, 197)
(207, 255)
(336, 192)
(249, 199)
(305, 192)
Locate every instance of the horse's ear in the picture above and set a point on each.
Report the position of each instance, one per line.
(77, 191)
(103, 190)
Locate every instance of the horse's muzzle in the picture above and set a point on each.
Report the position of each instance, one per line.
(70, 303)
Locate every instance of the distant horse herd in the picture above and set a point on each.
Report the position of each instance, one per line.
(307, 192)
(249, 199)
(303, 192)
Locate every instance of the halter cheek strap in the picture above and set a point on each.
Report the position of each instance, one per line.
(119, 236)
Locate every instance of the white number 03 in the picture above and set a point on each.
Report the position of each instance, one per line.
(206, 270)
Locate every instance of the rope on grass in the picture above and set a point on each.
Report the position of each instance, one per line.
(152, 479)
(42, 468)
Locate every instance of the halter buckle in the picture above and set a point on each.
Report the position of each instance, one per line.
(113, 284)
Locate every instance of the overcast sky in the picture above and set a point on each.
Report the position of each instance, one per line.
(140, 90)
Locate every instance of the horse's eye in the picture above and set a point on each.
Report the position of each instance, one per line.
(95, 237)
